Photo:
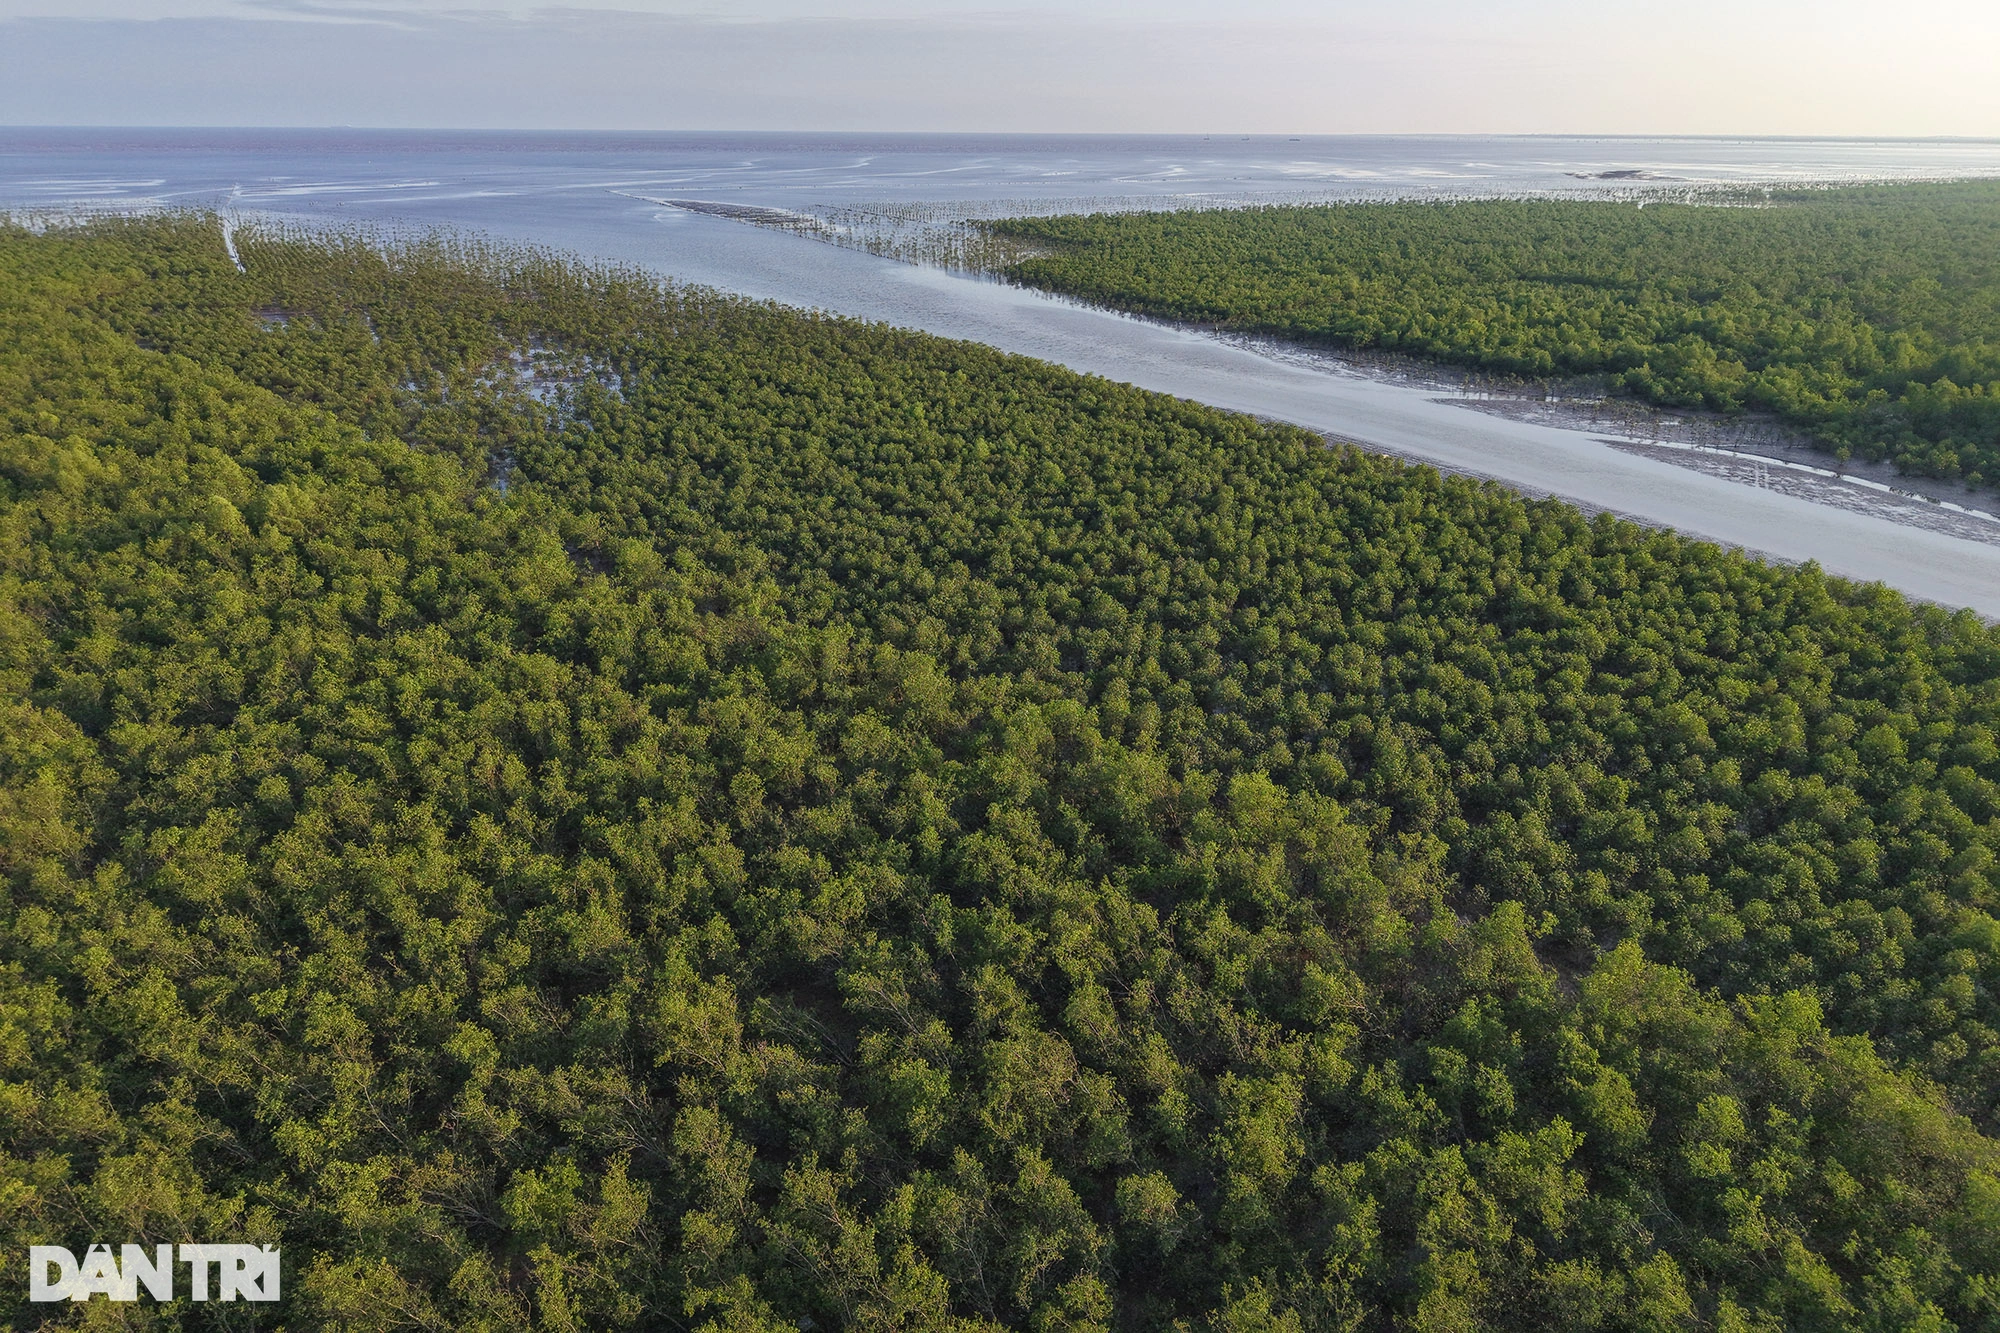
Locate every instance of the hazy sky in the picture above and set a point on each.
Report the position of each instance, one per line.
(1859, 67)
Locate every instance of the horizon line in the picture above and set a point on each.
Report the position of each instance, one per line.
(1286, 135)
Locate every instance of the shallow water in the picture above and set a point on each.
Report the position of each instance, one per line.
(558, 190)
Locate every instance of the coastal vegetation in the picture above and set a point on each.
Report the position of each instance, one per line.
(572, 804)
(1868, 316)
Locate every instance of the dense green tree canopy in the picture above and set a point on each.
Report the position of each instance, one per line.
(573, 805)
(1870, 316)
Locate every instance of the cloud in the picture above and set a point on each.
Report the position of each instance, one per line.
(318, 11)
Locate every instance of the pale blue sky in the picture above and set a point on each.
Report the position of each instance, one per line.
(1854, 67)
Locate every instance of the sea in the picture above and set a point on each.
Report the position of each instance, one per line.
(865, 225)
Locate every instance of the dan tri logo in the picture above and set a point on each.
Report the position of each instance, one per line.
(216, 1272)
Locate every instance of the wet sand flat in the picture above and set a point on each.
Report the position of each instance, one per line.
(1403, 420)
(610, 199)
